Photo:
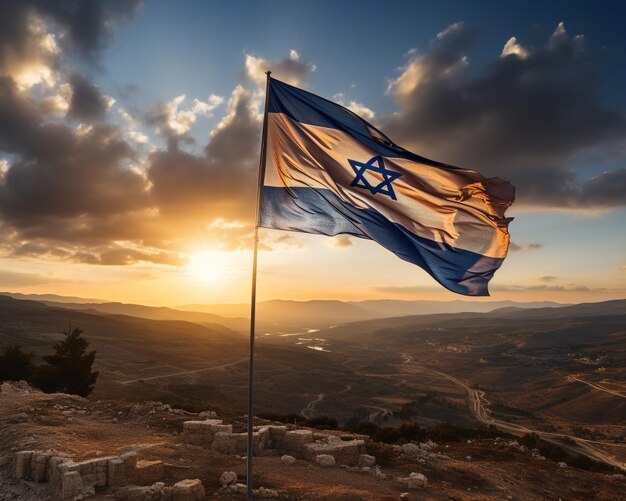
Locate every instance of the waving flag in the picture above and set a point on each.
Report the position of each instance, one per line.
(328, 171)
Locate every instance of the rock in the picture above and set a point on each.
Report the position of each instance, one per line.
(562, 465)
(417, 481)
(39, 466)
(365, 469)
(116, 473)
(188, 490)
(148, 472)
(22, 464)
(287, 459)
(411, 449)
(228, 478)
(379, 473)
(469, 458)
(71, 485)
(264, 493)
(366, 460)
(404, 495)
(325, 460)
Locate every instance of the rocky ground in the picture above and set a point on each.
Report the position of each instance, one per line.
(85, 429)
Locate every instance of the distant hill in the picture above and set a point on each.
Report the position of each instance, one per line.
(279, 314)
(50, 297)
(320, 313)
(156, 313)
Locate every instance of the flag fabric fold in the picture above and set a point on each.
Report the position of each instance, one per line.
(328, 172)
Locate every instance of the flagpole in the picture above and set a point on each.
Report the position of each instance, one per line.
(253, 294)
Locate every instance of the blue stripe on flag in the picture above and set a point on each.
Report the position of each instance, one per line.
(307, 108)
(321, 211)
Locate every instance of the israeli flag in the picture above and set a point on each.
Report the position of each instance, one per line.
(328, 171)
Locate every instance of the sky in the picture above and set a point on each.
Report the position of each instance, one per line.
(130, 136)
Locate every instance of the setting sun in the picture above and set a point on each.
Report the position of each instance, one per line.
(209, 266)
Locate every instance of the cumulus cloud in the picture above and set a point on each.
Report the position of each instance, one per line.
(86, 103)
(221, 182)
(358, 108)
(33, 34)
(525, 116)
(176, 117)
(289, 69)
(61, 187)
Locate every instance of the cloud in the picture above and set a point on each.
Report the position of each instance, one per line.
(99, 193)
(409, 289)
(548, 278)
(176, 117)
(15, 279)
(358, 108)
(341, 241)
(221, 182)
(514, 247)
(34, 34)
(86, 104)
(526, 116)
(547, 288)
(289, 69)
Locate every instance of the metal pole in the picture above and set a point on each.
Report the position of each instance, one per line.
(253, 295)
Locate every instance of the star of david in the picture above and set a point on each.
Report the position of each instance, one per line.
(374, 164)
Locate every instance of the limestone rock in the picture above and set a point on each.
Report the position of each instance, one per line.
(325, 460)
(228, 478)
(366, 460)
(287, 459)
(148, 472)
(417, 481)
(264, 493)
(116, 473)
(188, 490)
(411, 449)
(22, 464)
(71, 485)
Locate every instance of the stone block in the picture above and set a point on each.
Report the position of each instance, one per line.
(39, 466)
(130, 462)
(116, 473)
(22, 464)
(325, 460)
(155, 492)
(366, 460)
(188, 490)
(277, 437)
(71, 485)
(148, 472)
(344, 452)
(54, 471)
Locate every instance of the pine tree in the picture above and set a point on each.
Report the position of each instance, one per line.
(69, 369)
(16, 364)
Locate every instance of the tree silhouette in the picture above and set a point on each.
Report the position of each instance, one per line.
(69, 369)
(16, 364)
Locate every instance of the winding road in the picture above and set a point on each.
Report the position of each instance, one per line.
(309, 410)
(196, 371)
(598, 387)
(477, 405)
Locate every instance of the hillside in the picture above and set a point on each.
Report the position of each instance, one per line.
(553, 370)
(149, 433)
(320, 314)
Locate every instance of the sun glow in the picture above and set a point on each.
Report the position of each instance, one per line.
(210, 266)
